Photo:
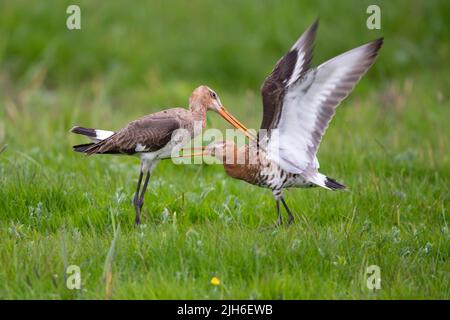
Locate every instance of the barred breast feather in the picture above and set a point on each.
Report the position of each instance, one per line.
(258, 170)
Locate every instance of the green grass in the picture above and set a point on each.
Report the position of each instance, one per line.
(389, 143)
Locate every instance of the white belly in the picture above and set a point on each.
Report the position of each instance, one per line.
(179, 138)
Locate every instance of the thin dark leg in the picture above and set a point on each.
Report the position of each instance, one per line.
(140, 201)
(137, 206)
(290, 216)
(144, 188)
(280, 219)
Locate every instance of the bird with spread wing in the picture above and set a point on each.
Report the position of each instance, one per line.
(299, 102)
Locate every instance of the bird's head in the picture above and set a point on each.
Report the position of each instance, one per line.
(204, 98)
(225, 150)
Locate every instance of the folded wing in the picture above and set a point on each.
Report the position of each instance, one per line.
(147, 134)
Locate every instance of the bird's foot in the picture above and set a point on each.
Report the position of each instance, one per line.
(137, 222)
(279, 222)
(138, 207)
(291, 220)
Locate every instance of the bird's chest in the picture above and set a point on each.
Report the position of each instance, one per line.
(271, 175)
(179, 138)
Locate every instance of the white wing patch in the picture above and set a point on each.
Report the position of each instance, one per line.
(298, 68)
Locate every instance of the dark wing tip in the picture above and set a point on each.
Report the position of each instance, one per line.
(308, 36)
(315, 25)
(373, 48)
(375, 45)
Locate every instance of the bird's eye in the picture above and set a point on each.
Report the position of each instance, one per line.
(213, 95)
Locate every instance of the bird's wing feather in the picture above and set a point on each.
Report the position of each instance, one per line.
(287, 71)
(310, 103)
(147, 134)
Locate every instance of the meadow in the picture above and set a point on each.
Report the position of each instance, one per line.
(389, 143)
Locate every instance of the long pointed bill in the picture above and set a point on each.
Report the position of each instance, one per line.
(192, 155)
(235, 123)
(202, 150)
(196, 148)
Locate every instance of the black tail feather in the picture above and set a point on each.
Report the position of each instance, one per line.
(84, 131)
(333, 184)
(82, 147)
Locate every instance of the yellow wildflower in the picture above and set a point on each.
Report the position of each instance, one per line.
(215, 281)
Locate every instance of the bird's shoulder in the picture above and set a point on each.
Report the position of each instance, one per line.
(164, 118)
(151, 132)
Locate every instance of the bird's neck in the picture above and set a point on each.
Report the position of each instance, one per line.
(243, 166)
(198, 113)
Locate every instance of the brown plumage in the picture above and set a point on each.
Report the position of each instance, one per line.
(147, 134)
(251, 164)
(298, 104)
(156, 136)
(239, 163)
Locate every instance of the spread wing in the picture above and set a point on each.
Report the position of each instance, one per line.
(309, 103)
(287, 71)
(147, 134)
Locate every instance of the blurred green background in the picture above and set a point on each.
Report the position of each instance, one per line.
(155, 52)
(389, 142)
(230, 44)
(138, 57)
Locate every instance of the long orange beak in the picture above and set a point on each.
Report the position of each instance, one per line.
(235, 123)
